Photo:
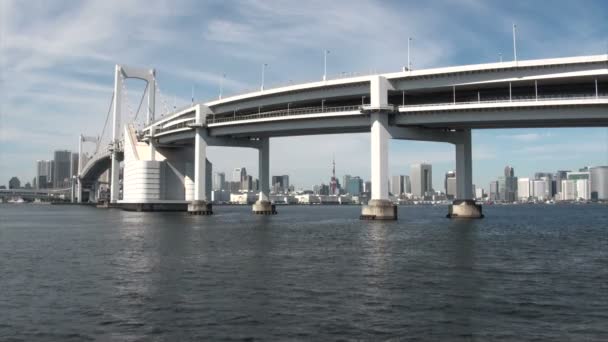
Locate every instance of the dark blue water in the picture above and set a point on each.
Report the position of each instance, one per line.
(309, 273)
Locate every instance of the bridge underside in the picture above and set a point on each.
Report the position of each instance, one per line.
(590, 116)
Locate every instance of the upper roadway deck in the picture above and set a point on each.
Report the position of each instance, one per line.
(560, 92)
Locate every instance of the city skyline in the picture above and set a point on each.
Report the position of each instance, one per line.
(67, 81)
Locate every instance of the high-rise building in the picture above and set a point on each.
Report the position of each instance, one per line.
(421, 177)
(62, 169)
(523, 189)
(239, 179)
(582, 183)
(74, 165)
(345, 181)
(494, 191)
(507, 185)
(548, 177)
(541, 189)
(479, 193)
(568, 190)
(397, 185)
(449, 184)
(558, 177)
(408, 184)
(367, 186)
(354, 186)
(280, 184)
(219, 180)
(598, 181)
(44, 170)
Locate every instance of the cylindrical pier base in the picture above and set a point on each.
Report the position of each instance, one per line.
(200, 208)
(464, 209)
(264, 208)
(379, 210)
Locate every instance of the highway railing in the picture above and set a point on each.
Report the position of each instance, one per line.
(283, 112)
(512, 99)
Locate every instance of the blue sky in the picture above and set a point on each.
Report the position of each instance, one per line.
(57, 60)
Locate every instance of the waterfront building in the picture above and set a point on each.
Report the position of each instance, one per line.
(219, 180)
(44, 171)
(62, 170)
(367, 187)
(582, 183)
(449, 184)
(523, 189)
(568, 190)
(397, 185)
(421, 177)
(507, 185)
(541, 189)
(558, 177)
(280, 184)
(493, 191)
(598, 182)
(354, 187)
(74, 165)
(479, 193)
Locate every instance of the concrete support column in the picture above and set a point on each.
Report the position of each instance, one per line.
(464, 206)
(200, 205)
(79, 182)
(379, 207)
(115, 172)
(379, 144)
(464, 168)
(263, 206)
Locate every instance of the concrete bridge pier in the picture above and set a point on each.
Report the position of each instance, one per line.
(464, 206)
(263, 206)
(200, 205)
(379, 207)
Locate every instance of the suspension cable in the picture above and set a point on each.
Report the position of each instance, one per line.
(106, 123)
(140, 102)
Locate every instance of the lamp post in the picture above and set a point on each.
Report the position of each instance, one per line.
(409, 63)
(263, 71)
(325, 53)
(222, 85)
(514, 43)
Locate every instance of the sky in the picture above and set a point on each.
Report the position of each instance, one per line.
(57, 61)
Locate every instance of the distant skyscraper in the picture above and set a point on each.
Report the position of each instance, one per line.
(493, 196)
(507, 185)
(397, 185)
(219, 179)
(74, 165)
(421, 177)
(367, 186)
(582, 178)
(523, 189)
(345, 181)
(408, 184)
(62, 162)
(568, 190)
(354, 186)
(44, 170)
(280, 184)
(598, 181)
(558, 177)
(239, 175)
(449, 184)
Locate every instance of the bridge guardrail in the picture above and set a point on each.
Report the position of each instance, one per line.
(513, 99)
(283, 112)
